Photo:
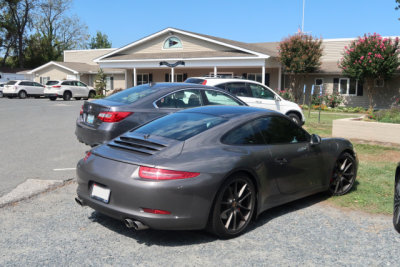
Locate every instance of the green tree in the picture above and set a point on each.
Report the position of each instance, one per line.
(371, 57)
(299, 54)
(15, 20)
(100, 82)
(99, 41)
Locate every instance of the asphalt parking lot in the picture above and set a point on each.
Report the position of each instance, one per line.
(38, 142)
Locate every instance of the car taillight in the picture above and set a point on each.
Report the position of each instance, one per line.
(56, 86)
(204, 83)
(161, 174)
(87, 155)
(81, 111)
(113, 116)
(156, 211)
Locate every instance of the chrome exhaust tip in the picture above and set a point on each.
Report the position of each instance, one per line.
(135, 224)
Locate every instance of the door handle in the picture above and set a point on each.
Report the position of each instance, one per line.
(281, 160)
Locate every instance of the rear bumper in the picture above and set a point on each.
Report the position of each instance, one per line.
(91, 136)
(189, 201)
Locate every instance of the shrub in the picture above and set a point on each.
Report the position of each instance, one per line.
(387, 115)
(316, 100)
(287, 94)
(333, 100)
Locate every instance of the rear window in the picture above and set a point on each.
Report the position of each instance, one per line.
(180, 126)
(11, 82)
(194, 80)
(133, 94)
(52, 82)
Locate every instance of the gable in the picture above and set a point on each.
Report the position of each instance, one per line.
(189, 44)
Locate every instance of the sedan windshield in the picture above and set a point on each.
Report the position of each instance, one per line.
(180, 126)
(133, 94)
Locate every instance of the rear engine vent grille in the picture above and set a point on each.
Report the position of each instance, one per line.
(136, 145)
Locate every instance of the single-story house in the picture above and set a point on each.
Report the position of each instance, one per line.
(172, 55)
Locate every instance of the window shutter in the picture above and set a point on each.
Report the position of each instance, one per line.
(267, 79)
(360, 88)
(335, 85)
(166, 77)
(185, 76)
(150, 77)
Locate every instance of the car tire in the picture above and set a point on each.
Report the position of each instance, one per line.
(233, 207)
(78, 98)
(396, 202)
(343, 175)
(92, 94)
(22, 94)
(67, 96)
(294, 118)
(1, 94)
(52, 98)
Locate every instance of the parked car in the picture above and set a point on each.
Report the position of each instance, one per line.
(396, 205)
(22, 89)
(1, 89)
(216, 167)
(68, 89)
(254, 94)
(103, 119)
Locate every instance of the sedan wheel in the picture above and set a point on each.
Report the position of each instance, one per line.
(295, 118)
(343, 176)
(234, 207)
(22, 94)
(396, 206)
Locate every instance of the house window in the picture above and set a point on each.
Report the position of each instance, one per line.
(44, 80)
(109, 83)
(254, 77)
(379, 83)
(351, 87)
(319, 81)
(172, 42)
(222, 74)
(142, 78)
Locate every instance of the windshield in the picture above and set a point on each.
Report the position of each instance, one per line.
(133, 94)
(180, 126)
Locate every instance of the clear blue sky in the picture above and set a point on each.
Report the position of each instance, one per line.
(125, 21)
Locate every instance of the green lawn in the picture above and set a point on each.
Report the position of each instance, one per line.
(373, 191)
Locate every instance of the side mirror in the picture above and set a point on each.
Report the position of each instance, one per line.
(315, 140)
(277, 98)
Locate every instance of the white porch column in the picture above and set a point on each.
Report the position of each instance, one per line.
(134, 77)
(128, 78)
(215, 71)
(263, 75)
(172, 75)
(279, 78)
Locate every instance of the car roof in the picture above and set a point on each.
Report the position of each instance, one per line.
(230, 111)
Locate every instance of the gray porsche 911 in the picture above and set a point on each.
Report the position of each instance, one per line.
(211, 167)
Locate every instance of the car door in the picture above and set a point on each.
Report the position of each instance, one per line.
(38, 88)
(83, 89)
(263, 97)
(294, 162)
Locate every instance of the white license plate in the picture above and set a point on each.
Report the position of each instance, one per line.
(90, 118)
(100, 193)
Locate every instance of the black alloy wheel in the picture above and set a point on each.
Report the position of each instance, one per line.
(234, 206)
(67, 96)
(396, 203)
(343, 176)
(52, 98)
(22, 94)
(91, 94)
(294, 118)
